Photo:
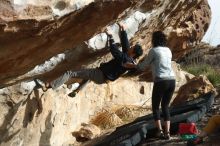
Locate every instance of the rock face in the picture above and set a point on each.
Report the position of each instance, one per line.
(190, 31)
(33, 31)
(44, 38)
(38, 40)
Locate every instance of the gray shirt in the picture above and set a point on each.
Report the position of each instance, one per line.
(160, 60)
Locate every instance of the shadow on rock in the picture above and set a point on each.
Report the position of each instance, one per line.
(8, 123)
(32, 105)
(46, 134)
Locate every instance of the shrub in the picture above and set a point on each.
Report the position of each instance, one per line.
(205, 69)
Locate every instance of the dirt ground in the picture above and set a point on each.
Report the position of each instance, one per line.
(212, 140)
(175, 141)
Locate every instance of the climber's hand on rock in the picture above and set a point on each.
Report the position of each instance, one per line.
(121, 25)
(108, 32)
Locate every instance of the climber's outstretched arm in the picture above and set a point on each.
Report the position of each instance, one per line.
(123, 37)
(116, 53)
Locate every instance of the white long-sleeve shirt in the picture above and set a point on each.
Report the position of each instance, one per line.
(160, 60)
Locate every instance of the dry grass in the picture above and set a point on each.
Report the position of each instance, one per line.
(106, 119)
(109, 118)
(205, 69)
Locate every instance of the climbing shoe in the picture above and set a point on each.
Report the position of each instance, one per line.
(167, 135)
(72, 94)
(42, 85)
(160, 134)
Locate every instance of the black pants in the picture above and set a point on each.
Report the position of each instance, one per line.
(162, 93)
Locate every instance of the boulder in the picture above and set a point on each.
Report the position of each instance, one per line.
(35, 33)
(44, 38)
(87, 132)
(194, 88)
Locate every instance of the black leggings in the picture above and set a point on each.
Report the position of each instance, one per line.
(162, 93)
